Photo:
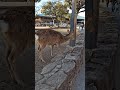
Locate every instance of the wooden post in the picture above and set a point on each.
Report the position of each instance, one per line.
(73, 21)
(92, 14)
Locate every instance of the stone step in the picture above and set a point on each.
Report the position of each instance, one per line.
(88, 54)
(102, 61)
(108, 41)
(107, 46)
(112, 23)
(94, 72)
(91, 86)
(111, 27)
(109, 21)
(105, 35)
(103, 53)
(113, 31)
(93, 66)
(97, 73)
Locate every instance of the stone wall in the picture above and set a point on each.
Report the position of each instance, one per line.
(61, 72)
(99, 62)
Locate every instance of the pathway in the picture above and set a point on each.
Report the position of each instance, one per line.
(79, 83)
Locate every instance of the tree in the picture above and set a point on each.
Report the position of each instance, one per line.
(57, 9)
(80, 4)
(48, 8)
(75, 5)
(37, 0)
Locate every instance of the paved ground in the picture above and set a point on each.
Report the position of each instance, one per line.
(46, 53)
(79, 83)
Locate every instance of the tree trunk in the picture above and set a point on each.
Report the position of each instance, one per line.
(91, 23)
(73, 21)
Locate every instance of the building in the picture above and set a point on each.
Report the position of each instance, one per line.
(44, 20)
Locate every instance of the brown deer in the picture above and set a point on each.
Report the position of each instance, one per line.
(50, 37)
(18, 34)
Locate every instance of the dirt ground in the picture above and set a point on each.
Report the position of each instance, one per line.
(46, 53)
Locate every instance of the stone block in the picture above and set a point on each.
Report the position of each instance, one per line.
(44, 87)
(38, 77)
(57, 79)
(68, 66)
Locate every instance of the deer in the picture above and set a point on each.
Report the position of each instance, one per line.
(17, 36)
(50, 37)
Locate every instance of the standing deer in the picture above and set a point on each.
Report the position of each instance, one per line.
(50, 37)
(18, 34)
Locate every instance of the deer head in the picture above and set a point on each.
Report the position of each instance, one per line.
(69, 36)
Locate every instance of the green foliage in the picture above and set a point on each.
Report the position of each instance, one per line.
(57, 9)
(48, 9)
(80, 4)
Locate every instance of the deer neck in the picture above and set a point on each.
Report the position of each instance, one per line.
(67, 37)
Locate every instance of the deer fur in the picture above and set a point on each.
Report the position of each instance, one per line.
(51, 38)
(17, 35)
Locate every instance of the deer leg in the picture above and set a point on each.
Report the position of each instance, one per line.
(41, 57)
(41, 47)
(11, 59)
(52, 50)
(8, 50)
(58, 45)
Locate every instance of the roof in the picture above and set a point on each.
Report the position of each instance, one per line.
(80, 17)
(43, 15)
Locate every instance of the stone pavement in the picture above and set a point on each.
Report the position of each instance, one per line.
(60, 73)
(99, 62)
(79, 83)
